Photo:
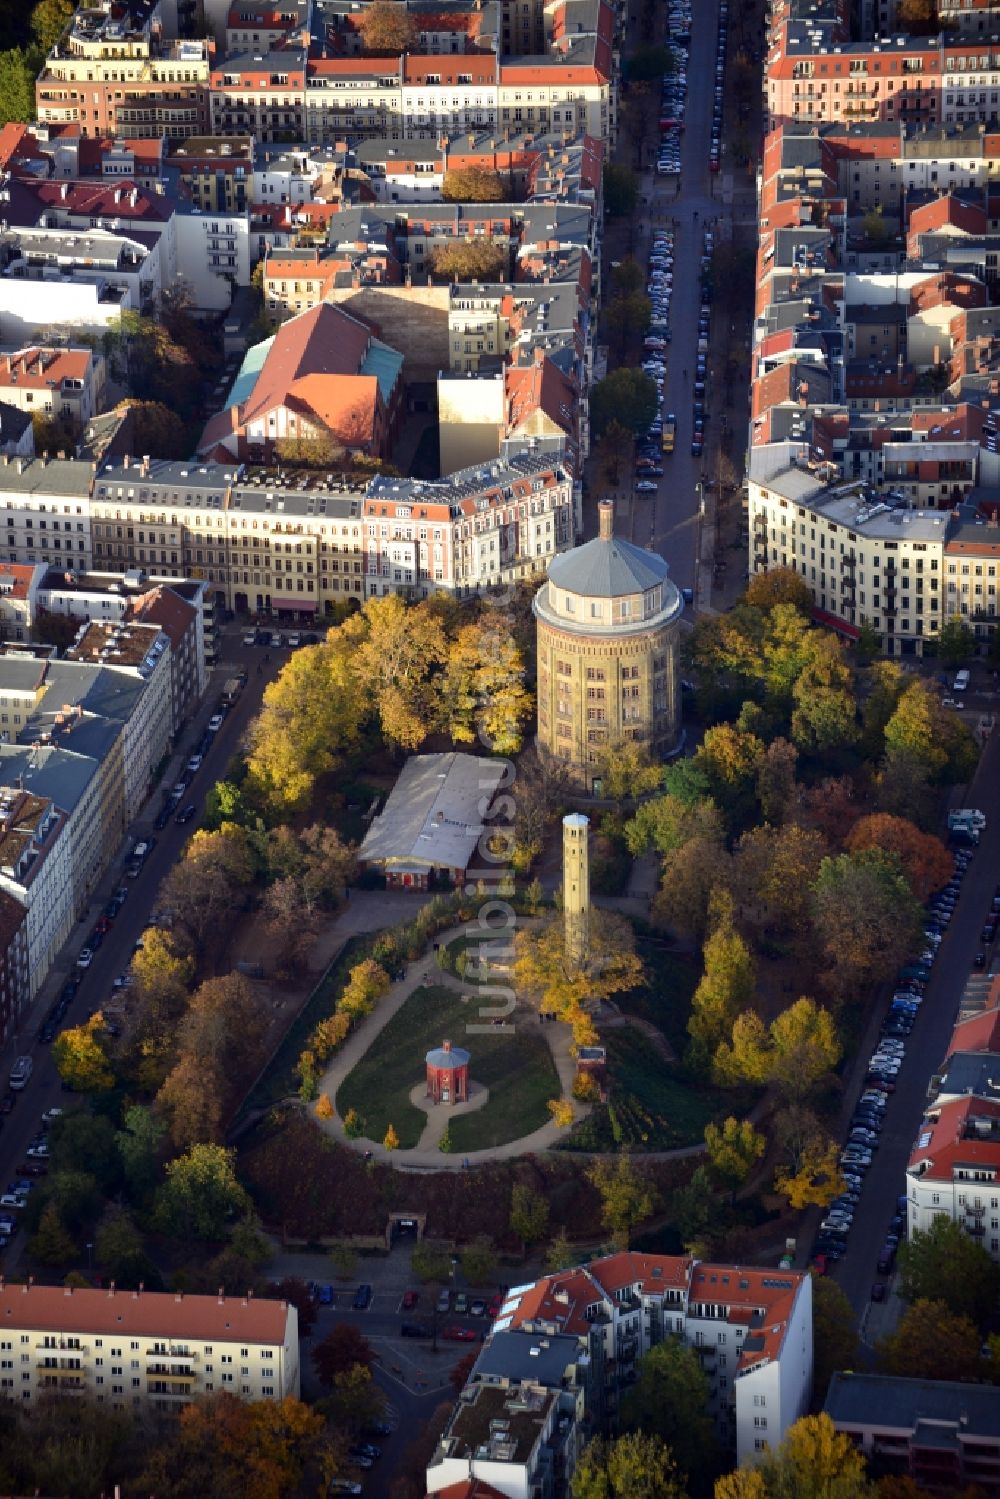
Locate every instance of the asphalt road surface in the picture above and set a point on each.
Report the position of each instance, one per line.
(925, 1047)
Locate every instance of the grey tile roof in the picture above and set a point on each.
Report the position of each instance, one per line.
(607, 569)
(883, 1401)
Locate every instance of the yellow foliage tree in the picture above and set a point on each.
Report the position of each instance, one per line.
(628, 1197)
(390, 1139)
(561, 1110)
(324, 1107)
(80, 1058)
(812, 1176)
(543, 968)
(311, 719)
(733, 1148)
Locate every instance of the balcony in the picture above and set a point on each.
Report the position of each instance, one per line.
(975, 1229)
(976, 1212)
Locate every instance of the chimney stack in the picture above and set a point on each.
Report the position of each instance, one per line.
(606, 519)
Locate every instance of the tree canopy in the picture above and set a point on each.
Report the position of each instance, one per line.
(627, 396)
(943, 1263)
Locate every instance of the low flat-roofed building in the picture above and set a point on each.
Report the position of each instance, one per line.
(433, 820)
(943, 1434)
(147, 1348)
(498, 1434)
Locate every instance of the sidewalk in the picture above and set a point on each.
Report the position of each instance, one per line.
(425, 971)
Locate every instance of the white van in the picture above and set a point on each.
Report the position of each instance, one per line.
(961, 682)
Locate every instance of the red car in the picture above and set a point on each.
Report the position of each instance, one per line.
(819, 1264)
(104, 924)
(459, 1334)
(410, 1299)
(493, 1307)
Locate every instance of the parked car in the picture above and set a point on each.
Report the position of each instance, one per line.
(215, 723)
(410, 1299)
(456, 1334)
(362, 1297)
(443, 1303)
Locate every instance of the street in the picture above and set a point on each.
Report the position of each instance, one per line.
(925, 1050)
(114, 955)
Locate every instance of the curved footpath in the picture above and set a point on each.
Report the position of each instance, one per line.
(558, 1037)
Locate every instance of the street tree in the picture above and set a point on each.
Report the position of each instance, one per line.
(80, 1058)
(648, 63)
(201, 1196)
(627, 396)
(835, 1334)
(809, 1174)
(386, 29)
(621, 191)
(628, 1197)
(355, 1401)
(734, 1148)
(343, 1348)
(956, 641)
(943, 1263)
(637, 1465)
(931, 1342)
(628, 316)
(473, 185)
(923, 858)
(203, 887)
(779, 585)
(670, 1400)
(864, 916)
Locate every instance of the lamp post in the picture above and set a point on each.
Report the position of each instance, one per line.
(90, 1258)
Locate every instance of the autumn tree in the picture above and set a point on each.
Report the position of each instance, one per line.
(864, 916)
(931, 1342)
(924, 860)
(161, 978)
(776, 780)
(810, 1174)
(307, 726)
(203, 887)
(49, 19)
(929, 736)
(469, 259)
(726, 987)
(396, 653)
(217, 1041)
(918, 16)
(627, 1195)
(815, 1461)
(560, 1254)
(529, 1214)
(798, 1052)
(779, 585)
(544, 969)
(835, 1334)
(483, 691)
(201, 1195)
(80, 1057)
(155, 427)
(693, 874)
(734, 1147)
(342, 1349)
(638, 1465)
(386, 29)
(473, 185)
(943, 1263)
(671, 1399)
(626, 769)
(773, 870)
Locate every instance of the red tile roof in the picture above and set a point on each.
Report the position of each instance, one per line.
(36, 368)
(20, 575)
(221, 1319)
(162, 606)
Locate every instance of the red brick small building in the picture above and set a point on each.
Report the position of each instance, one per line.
(448, 1074)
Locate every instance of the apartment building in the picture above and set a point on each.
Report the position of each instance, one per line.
(944, 1436)
(954, 1167)
(752, 1329)
(78, 281)
(19, 586)
(54, 382)
(45, 511)
(15, 974)
(145, 1349)
(113, 73)
(261, 93)
(35, 879)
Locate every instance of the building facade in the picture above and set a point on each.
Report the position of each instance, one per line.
(607, 622)
(144, 1349)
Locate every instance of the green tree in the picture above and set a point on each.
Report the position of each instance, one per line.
(931, 1342)
(648, 63)
(628, 316)
(666, 823)
(201, 1195)
(956, 642)
(628, 1197)
(529, 1214)
(627, 396)
(693, 1208)
(869, 641)
(118, 1246)
(17, 87)
(634, 1466)
(560, 1254)
(734, 1147)
(621, 191)
(825, 714)
(874, 226)
(671, 1400)
(943, 1263)
(835, 1334)
(429, 1262)
(479, 1261)
(87, 1142)
(139, 1142)
(727, 986)
(49, 19)
(52, 1244)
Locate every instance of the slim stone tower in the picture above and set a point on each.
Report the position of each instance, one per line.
(576, 887)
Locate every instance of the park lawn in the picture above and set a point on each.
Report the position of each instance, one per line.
(517, 1069)
(665, 999)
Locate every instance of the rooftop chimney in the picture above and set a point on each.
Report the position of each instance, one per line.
(606, 519)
